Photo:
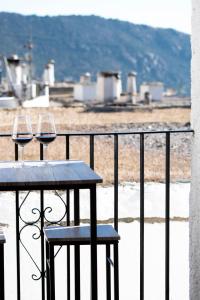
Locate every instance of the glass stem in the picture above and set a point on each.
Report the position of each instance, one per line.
(45, 152)
(22, 154)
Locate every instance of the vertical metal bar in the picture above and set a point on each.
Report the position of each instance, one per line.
(17, 234)
(2, 294)
(93, 220)
(92, 152)
(108, 273)
(116, 179)
(77, 247)
(48, 286)
(67, 146)
(16, 152)
(116, 271)
(167, 218)
(52, 271)
(68, 224)
(42, 233)
(141, 216)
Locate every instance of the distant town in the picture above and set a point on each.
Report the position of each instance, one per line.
(19, 87)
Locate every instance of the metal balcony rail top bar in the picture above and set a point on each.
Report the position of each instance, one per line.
(115, 132)
(91, 136)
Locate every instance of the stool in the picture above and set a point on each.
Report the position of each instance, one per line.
(80, 235)
(2, 242)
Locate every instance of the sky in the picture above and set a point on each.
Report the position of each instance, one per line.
(158, 13)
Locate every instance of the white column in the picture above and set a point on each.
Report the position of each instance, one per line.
(195, 187)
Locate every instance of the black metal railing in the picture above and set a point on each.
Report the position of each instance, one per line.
(91, 137)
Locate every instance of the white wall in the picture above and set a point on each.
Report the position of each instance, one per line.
(143, 89)
(131, 84)
(48, 75)
(156, 92)
(85, 92)
(100, 88)
(195, 188)
(108, 88)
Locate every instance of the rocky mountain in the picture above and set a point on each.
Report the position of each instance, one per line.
(80, 44)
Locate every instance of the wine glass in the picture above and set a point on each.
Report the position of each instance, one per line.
(46, 131)
(22, 133)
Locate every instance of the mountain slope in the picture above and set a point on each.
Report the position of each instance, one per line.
(81, 44)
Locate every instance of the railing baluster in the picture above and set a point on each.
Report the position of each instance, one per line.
(167, 219)
(41, 232)
(141, 216)
(92, 151)
(17, 233)
(67, 146)
(116, 181)
(68, 224)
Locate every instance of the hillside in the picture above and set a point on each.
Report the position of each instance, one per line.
(81, 44)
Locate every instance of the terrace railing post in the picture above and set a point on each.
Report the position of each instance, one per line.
(77, 247)
(92, 152)
(116, 181)
(141, 216)
(68, 224)
(42, 233)
(17, 234)
(167, 218)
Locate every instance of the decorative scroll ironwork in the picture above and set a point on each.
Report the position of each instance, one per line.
(25, 224)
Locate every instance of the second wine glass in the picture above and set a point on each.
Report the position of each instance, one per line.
(46, 131)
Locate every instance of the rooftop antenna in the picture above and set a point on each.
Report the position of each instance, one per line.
(29, 55)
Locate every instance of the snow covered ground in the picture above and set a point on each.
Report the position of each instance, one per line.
(128, 249)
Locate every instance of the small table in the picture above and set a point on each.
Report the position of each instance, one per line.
(56, 175)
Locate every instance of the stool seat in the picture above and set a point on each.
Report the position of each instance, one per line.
(80, 234)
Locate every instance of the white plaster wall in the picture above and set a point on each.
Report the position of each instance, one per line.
(143, 89)
(100, 88)
(78, 93)
(85, 92)
(48, 75)
(109, 88)
(131, 85)
(118, 89)
(156, 92)
(195, 187)
(89, 92)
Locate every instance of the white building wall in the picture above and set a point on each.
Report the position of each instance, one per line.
(78, 92)
(118, 88)
(143, 89)
(100, 88)
(195, 186)
(16, 73)
(89, 92)
(131, 84)
(85, 92)
(109, 88)
(156, 92)
(49, 74)
(109, 92)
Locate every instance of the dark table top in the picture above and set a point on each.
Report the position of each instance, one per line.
(38, 175)
(80, 233)
(2, 237)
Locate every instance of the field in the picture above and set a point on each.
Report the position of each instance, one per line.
(77, 119)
